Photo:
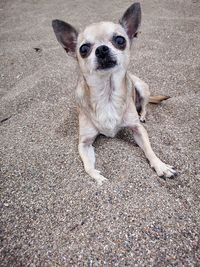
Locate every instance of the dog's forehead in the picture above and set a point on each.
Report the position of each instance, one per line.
(100, 31)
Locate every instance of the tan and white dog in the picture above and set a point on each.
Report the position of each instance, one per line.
(109, 98)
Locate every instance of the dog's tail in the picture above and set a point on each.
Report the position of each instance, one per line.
(156, 99)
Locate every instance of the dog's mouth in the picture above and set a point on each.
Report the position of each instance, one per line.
(106, 63)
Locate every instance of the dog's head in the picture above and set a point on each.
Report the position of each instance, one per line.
(103, 46)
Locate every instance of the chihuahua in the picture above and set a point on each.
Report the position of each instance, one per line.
(108, 96)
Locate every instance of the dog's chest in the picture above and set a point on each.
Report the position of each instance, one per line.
(104, 100)
(108, 115)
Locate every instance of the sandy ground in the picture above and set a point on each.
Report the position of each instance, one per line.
(52, 213)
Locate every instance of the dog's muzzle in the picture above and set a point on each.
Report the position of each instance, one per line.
(104, 58)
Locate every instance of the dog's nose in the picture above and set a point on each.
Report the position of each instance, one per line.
(102, 51)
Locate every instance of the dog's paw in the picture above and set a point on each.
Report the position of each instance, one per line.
(142, 116)
(100, 179)
(163, 170)
(142, 119)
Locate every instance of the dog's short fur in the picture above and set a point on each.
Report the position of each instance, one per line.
(109, 98)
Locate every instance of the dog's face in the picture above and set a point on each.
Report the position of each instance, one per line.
(101, 47)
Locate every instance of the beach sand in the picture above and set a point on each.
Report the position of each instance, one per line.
(52, 212)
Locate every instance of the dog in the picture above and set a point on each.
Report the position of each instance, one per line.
(109, 98)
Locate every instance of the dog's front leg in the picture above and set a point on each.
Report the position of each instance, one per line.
(87, 135)
(141, 138)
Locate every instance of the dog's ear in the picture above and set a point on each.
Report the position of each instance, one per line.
(131, 20)
(66, 36)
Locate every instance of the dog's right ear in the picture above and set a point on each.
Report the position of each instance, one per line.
(131, 20)
(66, 35)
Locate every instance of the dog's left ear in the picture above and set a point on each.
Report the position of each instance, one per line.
(131, 20)
(66, 35)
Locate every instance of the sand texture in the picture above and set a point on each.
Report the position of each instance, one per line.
(52, 213)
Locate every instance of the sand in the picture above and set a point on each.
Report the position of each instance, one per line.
(52, 213)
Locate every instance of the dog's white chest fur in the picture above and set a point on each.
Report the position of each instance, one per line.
(107, 116)
(107, 103)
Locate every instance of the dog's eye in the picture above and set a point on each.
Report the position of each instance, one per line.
(85, 49)
(119, 42)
